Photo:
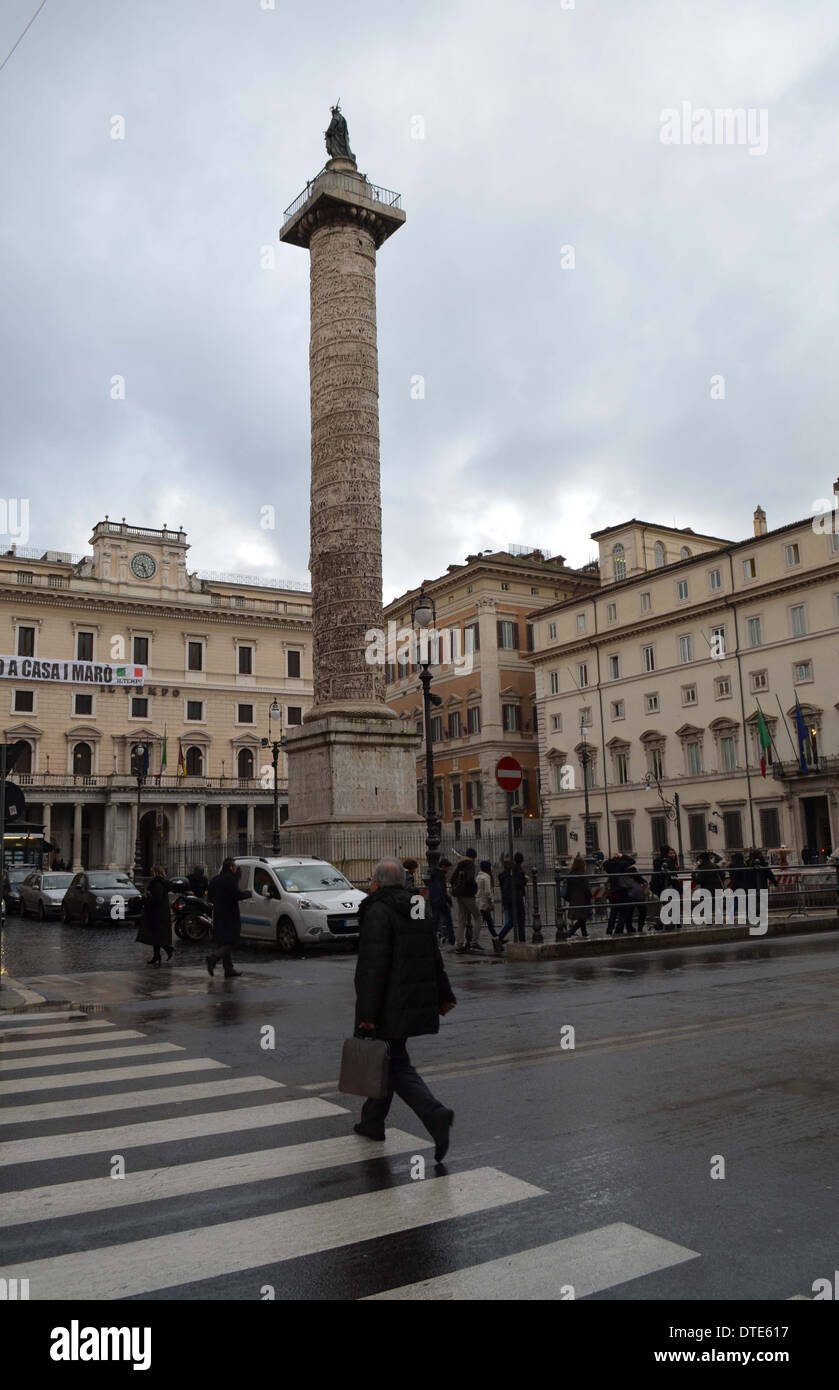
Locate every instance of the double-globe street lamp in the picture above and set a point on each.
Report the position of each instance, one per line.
(424, 616)
(275, 723)
(140, 757)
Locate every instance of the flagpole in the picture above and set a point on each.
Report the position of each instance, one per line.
(789, 735)
(769, 731)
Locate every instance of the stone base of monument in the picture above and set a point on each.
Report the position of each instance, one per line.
(353, 772)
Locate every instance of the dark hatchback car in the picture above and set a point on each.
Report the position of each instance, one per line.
(101, 896)
(12, 879)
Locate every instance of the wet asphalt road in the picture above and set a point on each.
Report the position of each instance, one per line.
(682, 1058)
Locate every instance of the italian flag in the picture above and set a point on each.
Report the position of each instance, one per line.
(181, 761)
(163, 759)
(764, 738)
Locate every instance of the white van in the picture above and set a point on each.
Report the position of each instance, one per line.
(297, 900)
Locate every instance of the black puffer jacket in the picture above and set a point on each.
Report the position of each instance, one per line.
(400, 982)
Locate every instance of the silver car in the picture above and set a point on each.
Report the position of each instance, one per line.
(42, 893)
(297, 901)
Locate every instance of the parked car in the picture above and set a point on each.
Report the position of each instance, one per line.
(43, 893)
(297, 900)
(12, 879)
(93, 896)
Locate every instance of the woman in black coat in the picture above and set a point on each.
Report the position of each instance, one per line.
(156, 923)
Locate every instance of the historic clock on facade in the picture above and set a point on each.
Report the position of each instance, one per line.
(143, 565)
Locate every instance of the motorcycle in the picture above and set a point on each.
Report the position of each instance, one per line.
(191, 917)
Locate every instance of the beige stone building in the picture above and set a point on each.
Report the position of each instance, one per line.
(214, 651)
(659, 674)
(487, 687)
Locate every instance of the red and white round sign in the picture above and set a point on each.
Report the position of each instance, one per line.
(508, 774)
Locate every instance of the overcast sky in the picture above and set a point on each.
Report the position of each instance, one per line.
(557, 400)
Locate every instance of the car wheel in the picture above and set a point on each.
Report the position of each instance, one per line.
(286, 936)
(195, 929)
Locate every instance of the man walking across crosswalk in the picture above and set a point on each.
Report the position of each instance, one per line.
(401, 991)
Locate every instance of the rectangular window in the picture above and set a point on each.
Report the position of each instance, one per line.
(793, 555)
(590, 774)
(582, 674)
(455, 729)
(554, 682)
(456, 798)
(729, 753)
(683, 590)
(618, 709)
(294, 714)
(195, 656)
(759, 680)
(511, 718)
(293, 664)
(530, 637)
(697, 830)
(556, 723)
(657, 763)
(195, 709)
(799, 620)
(688, 694)
(552, 632)
(83, 704)
(473, 719)
(245, 661)
(732, 823)
(469, 796)
(594, 834)
(695, 759)
(722, 688)
(471, 638)
(685, 650)
(624, 829)
(436, 729)
(561, 840)
(244, 714)
(508, 635)
(26, 641)
(614, 667)
(611, 612)
(802, 671)
(581, 622)
(646, 602)
(770, 827)
(585, 717)
(658, 827)
(390, 672)
(84, 646)
(141, 651)
(718, 648)
(755, 632)
(714, 580)
(648, 655)
(750, 568)
(24, 702)
(139, 707)
(622, 769)
(651, 705)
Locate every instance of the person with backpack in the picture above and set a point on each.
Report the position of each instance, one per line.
(615, 894)
(578, 897)
(464, 889)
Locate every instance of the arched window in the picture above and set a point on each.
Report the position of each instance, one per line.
(619, 561)
(660, 554)
(244, 762)
(24, 759)
(194, 762)
(685, 552)
(82, 759)
(138, 759)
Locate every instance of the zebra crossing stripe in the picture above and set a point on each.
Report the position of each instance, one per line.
(570, 1268)
(22, 1018)
(105, 1054)
(76, 1023)
(122, 1137)
(61, 1200)
(47, 1044)
(165, 1262)
(135, 1100)
(26, 1084)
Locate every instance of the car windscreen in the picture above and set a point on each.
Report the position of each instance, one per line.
(109, 881)
(311, 878)
(57, 880)
(18, 875)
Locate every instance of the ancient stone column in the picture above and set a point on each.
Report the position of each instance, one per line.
(350, 762)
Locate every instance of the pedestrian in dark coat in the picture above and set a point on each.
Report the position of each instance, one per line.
(198, 881)
(440, 902)
(401, 991)
(513, 885)
(578, 896)
(155, 928)
(225, 896)
(740, 876)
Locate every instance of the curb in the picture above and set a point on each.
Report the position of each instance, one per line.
(15, 998)
(663, 940)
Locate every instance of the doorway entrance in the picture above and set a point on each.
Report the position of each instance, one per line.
(816, 824)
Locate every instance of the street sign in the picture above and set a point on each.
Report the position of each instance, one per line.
(508, 774)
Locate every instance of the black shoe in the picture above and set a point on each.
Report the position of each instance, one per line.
(498, 947)
(369, 1133)
(480, 949)
(228, 974)
(211, 964)
(155, 960)
(460, 950)
(170, 951)
(440, 1128)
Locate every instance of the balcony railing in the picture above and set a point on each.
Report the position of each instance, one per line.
(342, 183)
(169, 782)
(824, 765)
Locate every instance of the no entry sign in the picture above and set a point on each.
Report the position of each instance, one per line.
(508, 774)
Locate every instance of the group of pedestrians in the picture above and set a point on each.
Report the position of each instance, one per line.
(223, 894)
(469, 888)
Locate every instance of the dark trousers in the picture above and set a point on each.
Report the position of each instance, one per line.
(486, 913)
(508, 920)
(222, 952)
(441, 918)
(615, 910)
(408, 1085)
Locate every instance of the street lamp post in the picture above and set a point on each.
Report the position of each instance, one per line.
(424, 617)
(275, 714)
(585, 759)
(141, 768)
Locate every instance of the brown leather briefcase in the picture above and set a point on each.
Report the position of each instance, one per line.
(365, 1064)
